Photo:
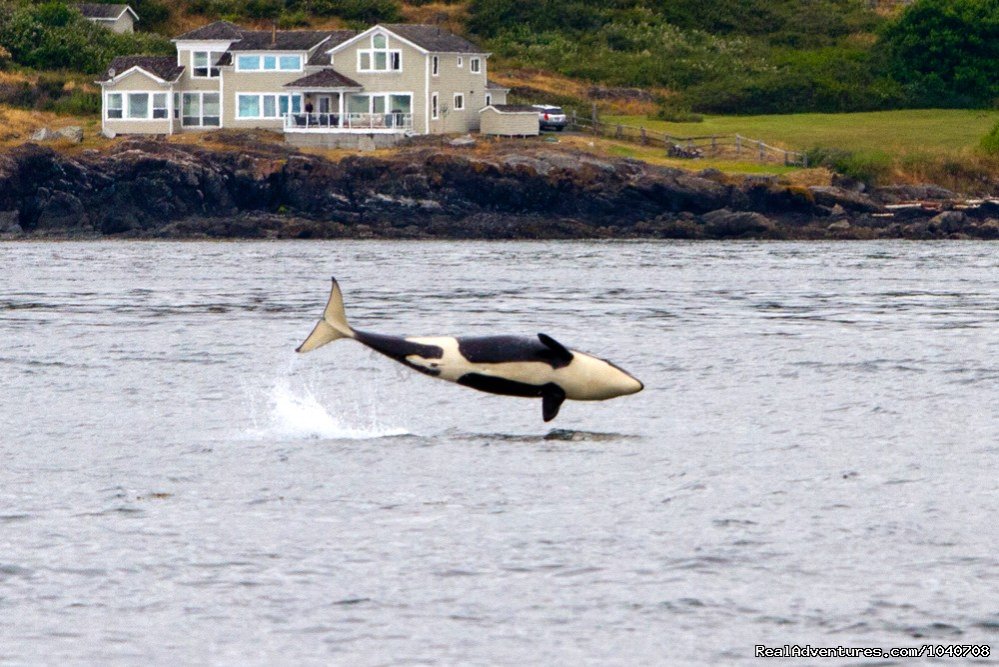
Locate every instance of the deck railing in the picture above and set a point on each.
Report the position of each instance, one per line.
(331, 122)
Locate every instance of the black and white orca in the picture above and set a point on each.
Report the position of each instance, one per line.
(509, 365)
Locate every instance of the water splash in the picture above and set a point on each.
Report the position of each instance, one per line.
(296, 413)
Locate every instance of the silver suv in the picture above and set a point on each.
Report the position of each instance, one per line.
(551, 117)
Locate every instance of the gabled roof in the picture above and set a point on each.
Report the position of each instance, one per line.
(104, 12)
(283, 40)
(219, 30)
(324, 78)
(433, 38)
(162, 67)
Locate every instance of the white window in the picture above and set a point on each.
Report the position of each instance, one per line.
(379, 58)
(268, 63)
(266, 106)
(248, 63)
(459, 101)
(435, 66)
(475, 65)
(434, 107)
(138, 105)
(204, 64)
(461, 61)
(160, 105)
(114, 108)
(391, 103)
(201, 110)
(176, 105)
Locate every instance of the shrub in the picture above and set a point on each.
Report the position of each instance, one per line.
(990, 142)
(867, 166)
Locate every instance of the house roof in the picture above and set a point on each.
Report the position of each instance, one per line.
(219, 30)
(164, 67)
(282, 40)
(324, 78)
(321, 58)
(103, 11)
(433, 38)
(492, 85)
(512, 108)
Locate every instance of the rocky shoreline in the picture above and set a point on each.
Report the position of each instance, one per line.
(146, 188)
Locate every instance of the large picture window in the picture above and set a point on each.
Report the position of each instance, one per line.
(201, 110)
(379, 58)
(268, 63)
(265, 105)
(136, 106)
(387, 103)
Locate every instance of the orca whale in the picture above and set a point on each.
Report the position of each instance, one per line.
(508, 365)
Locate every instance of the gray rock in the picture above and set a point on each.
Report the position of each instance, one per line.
(9, 222)
(851, 201)
(725, 223)
(44, 134)
(72, 132)
(949, 221)
(460, 142)
(840, 226)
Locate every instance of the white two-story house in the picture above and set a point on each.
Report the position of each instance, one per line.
(318, 87)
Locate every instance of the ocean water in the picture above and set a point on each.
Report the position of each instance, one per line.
(814, 460)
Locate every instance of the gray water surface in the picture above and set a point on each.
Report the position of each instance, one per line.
(813, 461)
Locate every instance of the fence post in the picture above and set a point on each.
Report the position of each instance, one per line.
(618, 132)
(596, 120)
(804, 160)
(645, 139)
(785, 159)
(575, 121)
(759, 144)
(714, 145)
(738, 145)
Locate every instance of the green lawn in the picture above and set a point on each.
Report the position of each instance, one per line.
(895, 132)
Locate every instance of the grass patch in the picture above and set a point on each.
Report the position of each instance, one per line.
(896, 133)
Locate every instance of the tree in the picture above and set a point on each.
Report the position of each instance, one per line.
(945, 52)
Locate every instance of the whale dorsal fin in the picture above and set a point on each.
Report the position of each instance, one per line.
(562, 355)
(552, 397)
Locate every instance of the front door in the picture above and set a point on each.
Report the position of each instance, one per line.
(325, 103)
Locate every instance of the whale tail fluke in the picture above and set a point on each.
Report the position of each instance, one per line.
(333, 326)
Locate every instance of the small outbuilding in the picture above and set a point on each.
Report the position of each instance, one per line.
(117, 18)
(509, 120)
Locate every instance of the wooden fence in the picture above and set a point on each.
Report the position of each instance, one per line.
(725, 146)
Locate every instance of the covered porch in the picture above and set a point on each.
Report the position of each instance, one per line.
(335, 103)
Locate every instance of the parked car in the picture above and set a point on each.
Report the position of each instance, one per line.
(551, 117)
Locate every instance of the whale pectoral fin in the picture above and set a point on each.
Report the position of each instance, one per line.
(552, 397)
(562, 355)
